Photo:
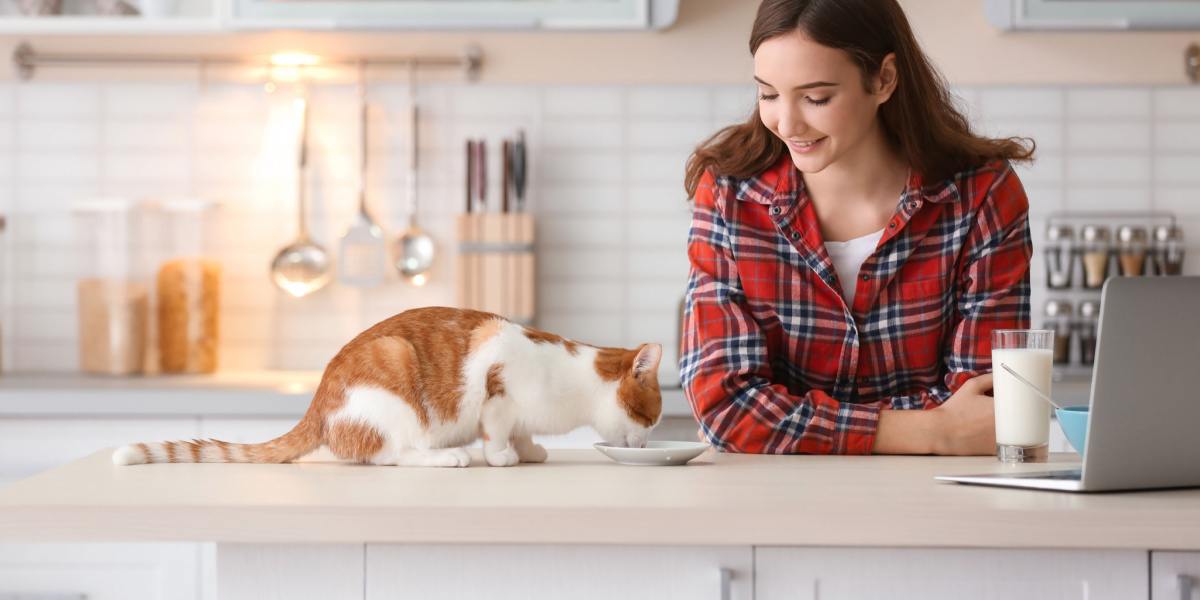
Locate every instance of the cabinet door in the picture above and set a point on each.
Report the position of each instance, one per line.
(156, 571)
(290, 572)
(503, 572)
(1175, 575)
(899, 574)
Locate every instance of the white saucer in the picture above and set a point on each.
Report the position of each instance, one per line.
(654, 454)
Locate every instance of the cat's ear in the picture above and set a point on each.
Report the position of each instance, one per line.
(647, 359)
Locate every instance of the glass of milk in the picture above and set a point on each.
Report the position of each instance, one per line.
(1022, 418)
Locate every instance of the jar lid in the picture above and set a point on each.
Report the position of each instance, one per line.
(1058, 308)
(1089, 309)
(1168, 233)
(1131, 234)
(1096, 233)
(1055, 233)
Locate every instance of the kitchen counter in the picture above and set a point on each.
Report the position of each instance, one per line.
(226, 393)
(580, 497)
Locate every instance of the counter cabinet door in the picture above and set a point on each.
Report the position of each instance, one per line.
(520, 572)
(1175, 576)
(101, 571)
(950, 574)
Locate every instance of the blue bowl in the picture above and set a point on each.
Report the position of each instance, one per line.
(1074, 420)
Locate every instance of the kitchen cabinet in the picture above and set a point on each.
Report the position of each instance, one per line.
(950, 574)
(1175, 575)
(517, 572)
(101, 571)
(216, 16)
(1093, 14)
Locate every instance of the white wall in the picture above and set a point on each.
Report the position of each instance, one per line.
(606, 172)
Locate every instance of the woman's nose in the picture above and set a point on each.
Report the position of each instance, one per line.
(791, 124)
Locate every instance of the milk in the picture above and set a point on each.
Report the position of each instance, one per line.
(1022, 418)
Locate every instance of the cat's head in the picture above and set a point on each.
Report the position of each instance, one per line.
(632, 407)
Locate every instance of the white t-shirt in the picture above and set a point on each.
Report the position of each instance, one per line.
(848, 258)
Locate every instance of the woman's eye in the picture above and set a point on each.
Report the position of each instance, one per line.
(817, 101)
(767, 96)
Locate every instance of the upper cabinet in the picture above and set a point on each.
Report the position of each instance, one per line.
(456, 14)
(204, 16)
(1093, 14)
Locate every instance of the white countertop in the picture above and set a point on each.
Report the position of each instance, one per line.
(578, 496)
(226, 393)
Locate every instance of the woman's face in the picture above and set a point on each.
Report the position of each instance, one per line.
(812, 97)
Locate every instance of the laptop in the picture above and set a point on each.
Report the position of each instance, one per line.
(1145, 407)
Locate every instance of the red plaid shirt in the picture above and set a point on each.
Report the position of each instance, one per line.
(772, 358)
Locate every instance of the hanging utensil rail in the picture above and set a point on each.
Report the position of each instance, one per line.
(27, 60)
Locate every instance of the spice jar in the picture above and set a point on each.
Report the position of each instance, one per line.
(1131, 250)
(113, 294)
(1095, 245)
(1060, 242)
(1167, 253)
(1057, 315)
(1089, 319)
(188, 284)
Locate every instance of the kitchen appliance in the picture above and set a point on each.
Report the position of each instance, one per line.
(1142, 417)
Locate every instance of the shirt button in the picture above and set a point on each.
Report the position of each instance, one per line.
(774, 210)
(795, 235)
(866, 277)
(892, 225)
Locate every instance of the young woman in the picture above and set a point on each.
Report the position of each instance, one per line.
(853, 245)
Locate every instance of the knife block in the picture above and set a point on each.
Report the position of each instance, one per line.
(496, 265)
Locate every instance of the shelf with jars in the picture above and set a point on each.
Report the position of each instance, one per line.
(1082, 250)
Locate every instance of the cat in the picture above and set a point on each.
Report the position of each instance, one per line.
(416, 388)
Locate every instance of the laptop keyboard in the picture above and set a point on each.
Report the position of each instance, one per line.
(1066, 474)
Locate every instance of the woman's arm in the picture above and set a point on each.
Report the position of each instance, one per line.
(725, 369)
(993, 293)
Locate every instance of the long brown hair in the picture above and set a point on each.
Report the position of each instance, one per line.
(919, 120)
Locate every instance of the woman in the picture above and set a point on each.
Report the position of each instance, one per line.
(853, 246)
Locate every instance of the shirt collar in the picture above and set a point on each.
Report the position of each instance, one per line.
(782, 184)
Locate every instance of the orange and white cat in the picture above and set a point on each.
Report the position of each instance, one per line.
(419, 386)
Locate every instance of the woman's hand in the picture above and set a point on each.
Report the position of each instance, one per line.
(966, 422)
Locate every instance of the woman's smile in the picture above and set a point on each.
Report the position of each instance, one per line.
(804, 147)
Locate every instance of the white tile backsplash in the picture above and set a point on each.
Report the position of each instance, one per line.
(606, 181)
(53, 100)
(1088, 170)
(1000, 103)
(582, 103)
(1177, 102)
(1177, 136)
(670, 102)
(1108, 103)
(1096, 136)
(35, 134)
(1183, 169)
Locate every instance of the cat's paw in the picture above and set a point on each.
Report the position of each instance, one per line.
(503, 458)
(455, 457)
(533, 453)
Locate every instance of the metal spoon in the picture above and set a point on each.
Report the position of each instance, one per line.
(301, 267)
(1031, 386)
(415, 249)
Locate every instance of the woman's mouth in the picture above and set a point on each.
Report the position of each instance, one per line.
(807, 145)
